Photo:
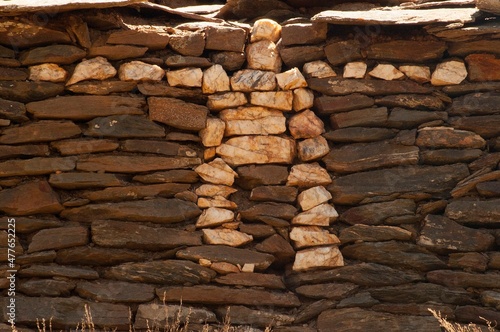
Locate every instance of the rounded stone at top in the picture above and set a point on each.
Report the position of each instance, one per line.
(265, 29)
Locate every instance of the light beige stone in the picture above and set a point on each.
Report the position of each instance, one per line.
(312, 236)
(213, 133)
(321, 257)
(386, 72)
(186, 77)
(263, 55)
(226, 237)
(291, 79)
(217, 201)
(319, 69)
(449, 73)
(248, 268)
(313, 197)
(140, 71)
(231, 225)
(224, 268)
(215, 79)
(245, 150)
(321, 215)
(302, 99)
(312, 148)
(226, 100)
(209, 153)
(97, 68)
(306, 125)
(212, 190)
(308, 175)
(253, 121)
(420, 74)
(49, 72)
(281, 100)
(213, 217)
(265, 29)
(205, 262)
(217, 172)
(248, 80)
(355, 69)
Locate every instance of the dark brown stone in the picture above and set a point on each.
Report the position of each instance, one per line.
(11, 152)
(7, 52)
(29, 34)
(434, 180)
(404, 50)
(494, 262)
(483, 67)
(59, 238)
(476, 104)
(307, 313)
(60, 54)
(6, 62)
(442, 234)
(37, 258)
(173, 272)
(158, 210)
(364, 156)
(421, 293)
(277, 246)
(474, 212)
(132, 164)
(270, 281)
(449, 156)
(162, 89)
(465, 48)
(489, 189)
(365, 233)
(53, 270)
(225, 38)
(329, 105)
(46, 287)
(115, 291)
(177, 175)
(334, 291)
(489, 161)
(444, 137)
(157, 147)
(117, 52)
(230, 61)
(257, 230)
(338, 87)
(12, 110)
(124, 126)
(267, 318)
(252, 9)
(178, 114)
(188, 43)
(155, 316)
(356, 319)
(25, 91)
(280, 194)
(395, 254)
(415, 309)
(102, 87)
(225, 296)
(303, 33)
(469, 261)
(41, 131)
(29, 225)
(86, 107)
(10, 74)
(150, 39)
(414, 101)
(135, 192)
(359, 135)
(118, 234)
(227, 254)
(361, 299)
(367, 117)
(30, 198)
(276, 210)
(79, 146)
(253, 176)
(478, 315)
(339, 53)
(466, 88)
(463, 279)
(179, 61)
(84, 180)
(469, 183)
(487, 126)
(298, 55)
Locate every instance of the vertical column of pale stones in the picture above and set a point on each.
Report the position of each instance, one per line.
(248, 126)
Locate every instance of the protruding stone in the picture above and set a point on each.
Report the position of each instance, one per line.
(312, 148)
(150, 39)
(308, 175)
(41, 131)
(312, 236)
(94, 69)
(215, 79)
(263, 55)
(368, 117)
(217, 172)
(420, 74)
(124, 126)
(216, 201)
(281, 100)
(189, 43)
(315, 258)
(445, 137)
(179, 61)
(225, 38)
(177, 113)
(48, 72)
(230, 61)
(227, 237)
(449, 73)
(186, 77)
(265, 29)
(30, 198)
(59, 54)
(248, 80)
(319, 69)
(483, 67)
(360, 232)
(339, 53)
(213, 217)
(280, 194)
(226, 100)
(253, 121)
(303, 33)
(313, 197)
(386, 72)
(140, 71)
(302, 99)
(378, 213)
(253, 176)
(213, 133)
(59, 238)
(212, 190)
(291, 79)
(355, 70)
(306, 125)
(321, 215)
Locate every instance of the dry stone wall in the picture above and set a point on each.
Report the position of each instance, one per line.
(307, 177)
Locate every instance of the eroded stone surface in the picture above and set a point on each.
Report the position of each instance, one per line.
(97, 68)
(449, 73)
(265, 29)
(48, 72)
(311, 236)
(217, 172)
(212, 217)
(263, 55)
(140, 71)
(314, 258)
(215, 79)
(253, 121)
(186, 77)
(177, 113)
(248, 80)
(227, 237)
(306, 125)
(308, 175)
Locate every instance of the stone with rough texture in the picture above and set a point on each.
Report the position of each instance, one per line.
(225, 38)
(41, 131)
(306, 125)
(28, 34)
(124, 126)
(334, 291)
(59, 238)
(359, 135)
(367, 117)
(9, 151)
(319, 69)
(479, 103)
(488, 126)
(318, 258)
(97, 68)
(312, 148)
(311, 236)
(489, 188)
(386, 72)
(297, 56)
(226, 100)
(261, 211)
(303, 33)
(140, 71)
(54, 270)
(280, 194)
(355, 70)
(476, 314)
(474, 212)
(158, 210)
(280, 248)
(444, 137)
(177, 113)
(248, 80)
(186, 77)
(162, 89)
(211, 190)
(215, 79)
(257, 230)
(257, 150)
(328, 105)
(291, 79)
(58, 54)
(29, 91)
(405, 119)
(420, 74)
(308, 175)
(12, 110)
(404, 50)
(212, 217)
(253, 121)
(114, 291)
(158, 147)
(102, 87)
(189, 43)
(366, 233)
(227, 237)
(47, 287)
(117, 52)
(217, 201)
(483, 67)
(321, 215)
(469, 261)
(281, 100)
(313, 197)
(150, 39)
(133, 164)
(30, 198)
(213, 133)
(217, 172)
(265, 29)
(253, 176)
(421, 293)
(230, 61)
(242, 315)
(152, 315)
(302, 99)
(36, 166)
(377, 213)
(179, 61)
(49, 72)
(449, 73)
(263, 55)
(98, 256)
(412, 101)
(342, 52)
(84, 180)
(463, 279)
(78, 146)
(178, 175)
(135, 192)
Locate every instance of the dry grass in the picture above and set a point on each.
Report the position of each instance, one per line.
(455, 327)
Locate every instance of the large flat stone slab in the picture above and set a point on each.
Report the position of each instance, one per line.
(59, 238)
(25, 91)
(135, 192)
(133, 164)
(29, 34)
(79, 180)
(463, 279)
(115, 291)
(177, 113)
(377, 213)
(339, 87)
(473, 212)
(406, 50)
(41, 131)
(36, 166)
(124, 126)
(487, 126)
(16, 151)
(30, 198)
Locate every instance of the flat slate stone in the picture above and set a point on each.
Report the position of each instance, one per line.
(474, 212)
(117, 52)
(474, 46)
(28, 34)
(158, 210)
(445, 137)
(16, 151)
(277, 246)
(158, 147)
(102, 87)
(173, 272)
(11, 74)
(116, 234)
(339, 87)
(298, 55)
(402, 118)
(150, 39)
(30, 198)
(225, 38)
(274, 210)
(132, 164)
(489, 189)
(480, 103)
(59, 54)
(412, 101)
(487, 126)
(36, 166)
(367, 117)
(407, 50)
(46, 287)
(270, 281)
(466, 88)
(264, 318)
(84, 146)
(124, 126)
(86, 107)
(253, 176)
(84, 180)
(217, 253)
(177, 113)
(115, 291)
(329, 105)
(135, 192)
(367, 233)
(30, 225)
(224, 296)
(54, 270)
(449, 156)
(483, 67)
(377, 213)
(41, 131)
(333, 291)
(176, 175)
(13, 111)
(421, 293)
(280, 194)
(59, 238)
(25, 91)
(437, 181)
(463, 279)
(359, 135)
